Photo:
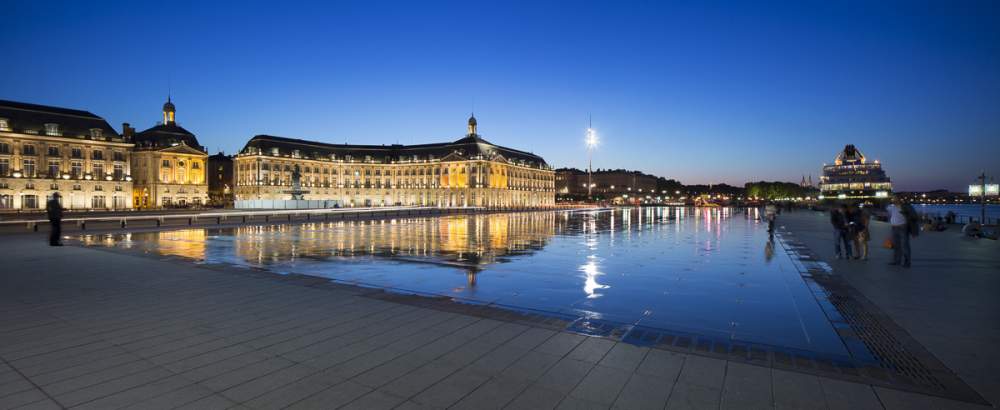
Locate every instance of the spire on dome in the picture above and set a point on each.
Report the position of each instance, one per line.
(472, 124)
(168, 111)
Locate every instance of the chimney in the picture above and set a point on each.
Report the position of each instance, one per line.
(127, 131)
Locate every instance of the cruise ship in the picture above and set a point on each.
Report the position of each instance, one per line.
(852, 176)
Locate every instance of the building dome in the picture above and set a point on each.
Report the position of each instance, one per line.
(168, 112)
(472, 125)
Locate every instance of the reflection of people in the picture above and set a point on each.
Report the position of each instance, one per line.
(55, 213)
(769, 251)
(470, 278)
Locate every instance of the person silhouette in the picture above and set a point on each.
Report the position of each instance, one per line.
(54, 210)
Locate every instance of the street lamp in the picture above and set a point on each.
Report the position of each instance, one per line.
(983, 189)
(591, 143)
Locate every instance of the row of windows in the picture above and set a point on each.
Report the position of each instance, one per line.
(29, 169)
(180, 164)
(75, 152)
(358, 182)
(368, 171)
(315, 156)
(50, 129)
(30, 201)
(55, 187)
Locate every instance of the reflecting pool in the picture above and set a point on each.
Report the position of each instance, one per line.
(706, 271)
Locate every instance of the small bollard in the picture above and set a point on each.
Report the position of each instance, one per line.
(83, 225)
(123, 223)
(218, 220)
(190, 221)
(34, 226)
(159, 221)
(244, 219)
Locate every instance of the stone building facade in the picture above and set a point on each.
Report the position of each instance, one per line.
(46, 150)
(573, 182)
(468, 172)
(169, 165)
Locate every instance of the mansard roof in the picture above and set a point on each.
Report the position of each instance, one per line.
(31, 119)
(470, 146)
(164, 136)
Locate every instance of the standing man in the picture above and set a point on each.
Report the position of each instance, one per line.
(838, 218)
(903, 222)
(54, 210)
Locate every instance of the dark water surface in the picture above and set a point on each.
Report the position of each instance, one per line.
(707, 271)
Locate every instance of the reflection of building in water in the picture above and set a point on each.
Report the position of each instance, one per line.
(187, 243)
(466, 241)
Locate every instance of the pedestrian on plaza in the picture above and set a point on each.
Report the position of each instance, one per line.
(863, 236)
(841, 245)
(54, 210)
(851, 217)
(905, 223)
(770, 214)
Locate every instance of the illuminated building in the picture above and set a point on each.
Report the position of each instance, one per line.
(606, 183)
(852, 177)
(45, 150)
(468, 172)
(168, 164)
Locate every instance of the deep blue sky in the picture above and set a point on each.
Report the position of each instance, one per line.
(725, 92)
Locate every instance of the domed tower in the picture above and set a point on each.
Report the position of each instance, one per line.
(168, 112)
(472, 124)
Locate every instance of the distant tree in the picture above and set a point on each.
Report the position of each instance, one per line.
(778, 190)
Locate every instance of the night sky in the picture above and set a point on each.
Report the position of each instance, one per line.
(726, 92)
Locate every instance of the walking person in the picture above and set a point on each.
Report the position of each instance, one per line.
(770, 213)
(852, 217)
(904, 222)
(54, 210)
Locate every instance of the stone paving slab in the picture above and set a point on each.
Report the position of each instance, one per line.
(85, 328)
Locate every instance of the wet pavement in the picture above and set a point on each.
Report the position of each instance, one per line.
(89, 327)
(708, 272)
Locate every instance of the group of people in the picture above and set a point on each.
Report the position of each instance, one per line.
(850, 229)
(851, 233)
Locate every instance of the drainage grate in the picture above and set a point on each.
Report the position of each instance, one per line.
(889, 353)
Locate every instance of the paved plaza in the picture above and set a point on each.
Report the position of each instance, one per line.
(95, 329)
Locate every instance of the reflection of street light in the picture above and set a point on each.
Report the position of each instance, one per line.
(591, 143)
